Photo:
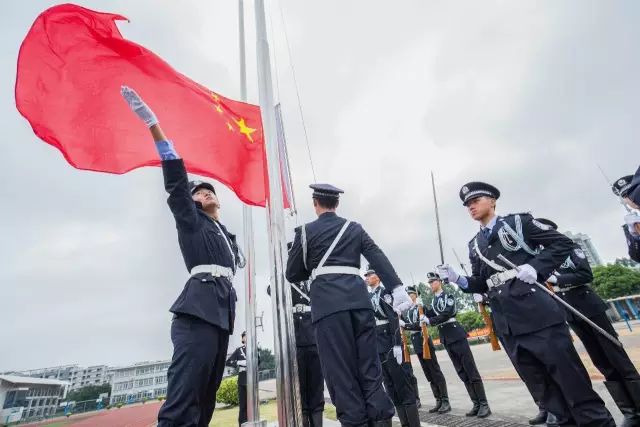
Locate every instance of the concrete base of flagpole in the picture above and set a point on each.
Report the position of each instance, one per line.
(255, 424)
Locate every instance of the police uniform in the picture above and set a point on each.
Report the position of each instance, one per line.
(238, 360)
(430, 367)
(454, 338)
(627, 186)
(310, 375)
(571, 282)
(341, 311)
(398, 385)
(204, 312)
(531, 324)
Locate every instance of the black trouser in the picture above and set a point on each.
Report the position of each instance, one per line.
(397, 383)
(195, 373)
(311, 379)
(463, 361)
(347, 349)
(431, 367)
(548, 357)
(242, 402)
(612, 361)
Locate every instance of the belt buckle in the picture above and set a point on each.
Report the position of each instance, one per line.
(298, 308)
(495, 280)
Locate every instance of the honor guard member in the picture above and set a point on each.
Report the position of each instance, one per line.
(204, 312)
(531, 324)
(571, 282)
(309, 369)
(328, 252)
(397, 383)
(238, 360)
(430, 367)
(629, 192)
(454, 338)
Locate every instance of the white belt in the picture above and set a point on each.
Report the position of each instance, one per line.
(301, 308)
(451, 320)
(334, 269)
(565, 288)
(214, 270)
(381, 322)
(501, 278)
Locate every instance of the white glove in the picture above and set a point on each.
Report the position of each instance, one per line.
(478, 298)
(242, 363)
(424, 320)
(445, 271)
(138, 106)
(527, 274)
(631, 219)
(552, 279)
(397, 353)
(402, 323)
(401, 300)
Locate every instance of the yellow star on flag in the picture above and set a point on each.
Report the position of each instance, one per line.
(215, 97)
(244, 129)
(218, 108)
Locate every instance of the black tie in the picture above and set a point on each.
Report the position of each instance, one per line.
(485, 232)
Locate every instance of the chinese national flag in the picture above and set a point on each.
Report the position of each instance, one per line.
(70, 68)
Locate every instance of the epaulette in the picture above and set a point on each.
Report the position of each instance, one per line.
(517, 213)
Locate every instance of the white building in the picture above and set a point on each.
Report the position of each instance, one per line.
(584, 241)
(76, 376)
(27, 398)
(145, 380)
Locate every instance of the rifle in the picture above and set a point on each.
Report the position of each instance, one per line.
(426, 351)
(405, 348)
(495, 344)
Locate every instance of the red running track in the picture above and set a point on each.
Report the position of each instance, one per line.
(127, 416)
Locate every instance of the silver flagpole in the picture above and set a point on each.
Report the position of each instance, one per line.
(253, 409)
(289, 413)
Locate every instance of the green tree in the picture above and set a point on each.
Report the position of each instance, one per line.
(90, 392)
(267, 359)
(615, 280)
(470, 320)
(227, 394)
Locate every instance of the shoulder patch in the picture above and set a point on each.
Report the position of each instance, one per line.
(388, 299)
(540, 225)
(450, 301)
(579, 253)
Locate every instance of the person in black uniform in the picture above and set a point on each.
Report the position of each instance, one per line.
(531, 324)
(628, 190)
(204, 312)
(571, 282)
(454, 338)
(430, 367)
(328, 251)
(397, 383)
(238, 360)
(309, 370)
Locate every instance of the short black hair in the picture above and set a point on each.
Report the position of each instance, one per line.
(327, 202)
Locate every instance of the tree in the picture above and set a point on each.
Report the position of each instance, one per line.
(90, 392)
(267, 360)
(470, 320)
(615, 280)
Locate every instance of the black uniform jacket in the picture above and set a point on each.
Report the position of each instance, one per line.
(443, 309)
(202, 242)
(388, 323)
(517, 307)
(301, 320)
(332, 293)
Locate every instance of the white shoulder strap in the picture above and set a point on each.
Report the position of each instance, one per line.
(303, 238)
(333, 245)
(486, 260)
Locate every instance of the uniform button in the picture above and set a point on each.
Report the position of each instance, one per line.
(500, 291)
(204, 280)
(489, 246)
(533, 290)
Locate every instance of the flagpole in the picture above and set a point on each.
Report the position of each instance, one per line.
(253, 409)
(289, 413)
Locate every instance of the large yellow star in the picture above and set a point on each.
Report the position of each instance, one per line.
(244, 129)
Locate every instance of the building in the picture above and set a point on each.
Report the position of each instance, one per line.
(28, 398)
(76, 376)
(584, 241)
(145, 380)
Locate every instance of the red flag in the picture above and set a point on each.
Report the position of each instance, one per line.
(70, 68)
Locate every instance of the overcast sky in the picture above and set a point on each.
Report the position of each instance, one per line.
(529, 96)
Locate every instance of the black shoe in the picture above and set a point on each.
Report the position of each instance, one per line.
(474, 399)
(552, 420)
(483, 411)
(622, 394)
(541, 418)
(413, 419)
(316, 418)
(444, 406)
(436, 394)
(633, 418)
